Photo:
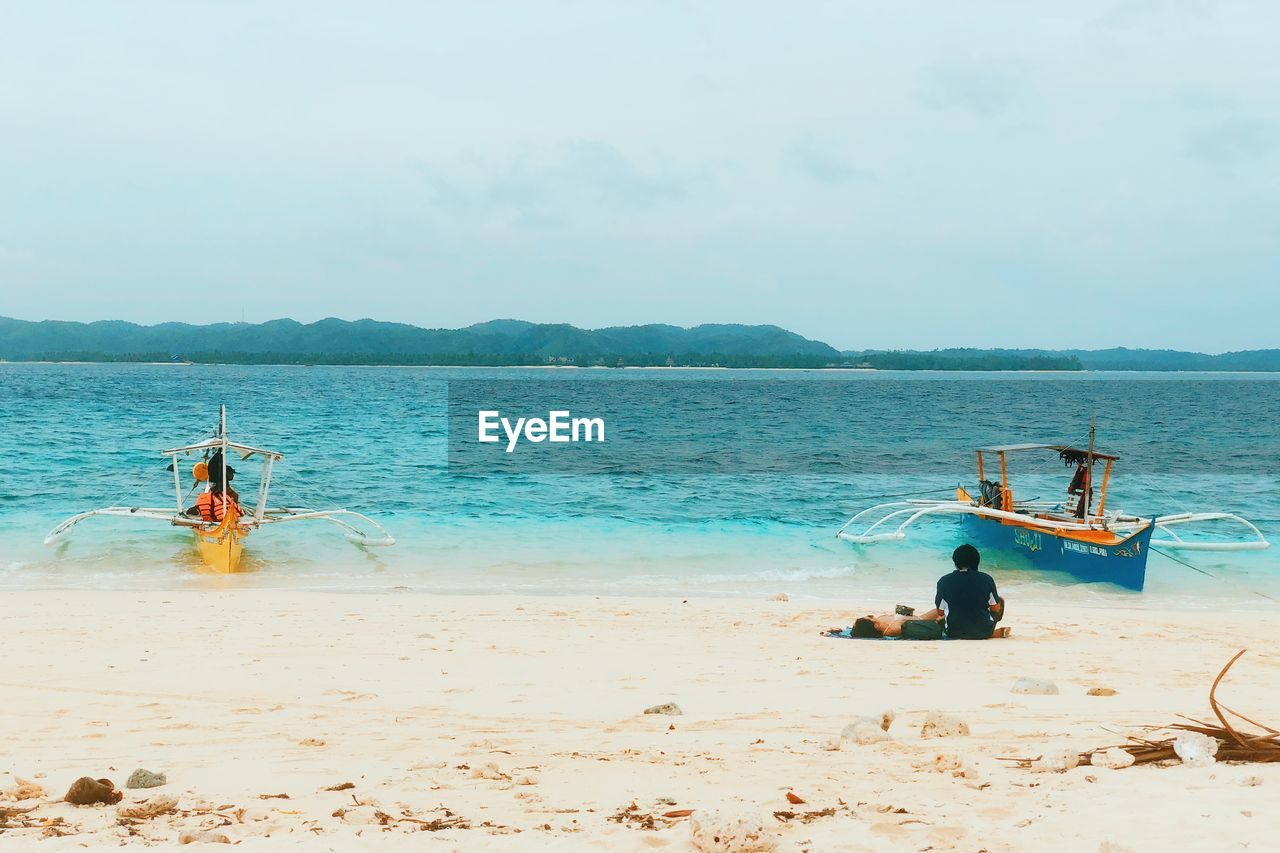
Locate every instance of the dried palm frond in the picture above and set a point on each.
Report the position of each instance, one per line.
(1233, 744)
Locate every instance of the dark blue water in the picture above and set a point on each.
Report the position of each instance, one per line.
(727, 481)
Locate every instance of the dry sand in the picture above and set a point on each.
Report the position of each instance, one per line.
(520, 719)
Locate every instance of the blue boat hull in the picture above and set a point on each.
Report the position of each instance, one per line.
(1123, 564)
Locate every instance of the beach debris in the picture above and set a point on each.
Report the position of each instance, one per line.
(730, 831)
(938, 724)
(274, 797)
(1232, 743)
(87, 791)
(782, 596)
(1056, 762)
(8, 813)
(669, 709)
(447, 820)
(361, 815)
(1195, 749)
(344, 786)
(490, 771)
(1114, 758)
(952, 764)
(206, 836)
(148, 809)
(803, 817)
(632, 816)
(1107, 846)
(637, 818)
(794, 799)
(1034, 687)
(22, 790)
(829, 744)
(1101, 691)
(311, 741)
(141, 778)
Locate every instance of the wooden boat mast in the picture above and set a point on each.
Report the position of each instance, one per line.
(222, 433)
(1088, 477)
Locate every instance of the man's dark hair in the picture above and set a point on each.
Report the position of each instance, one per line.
(966, 557)
(865, 629)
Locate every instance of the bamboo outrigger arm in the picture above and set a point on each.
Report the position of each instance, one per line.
(889, 522)
(150, 513)
(1166, 523)
(353, 533)
(912, 511)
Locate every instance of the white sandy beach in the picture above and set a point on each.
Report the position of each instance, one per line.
(521, 720)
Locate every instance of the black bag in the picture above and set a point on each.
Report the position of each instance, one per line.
(922, 629)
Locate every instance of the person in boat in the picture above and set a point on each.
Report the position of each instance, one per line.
(967, 600)
(211, 504)
(1080, 486)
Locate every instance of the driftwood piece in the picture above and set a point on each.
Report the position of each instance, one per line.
(1233, 744)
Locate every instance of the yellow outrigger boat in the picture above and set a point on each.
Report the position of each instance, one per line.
(220, 541)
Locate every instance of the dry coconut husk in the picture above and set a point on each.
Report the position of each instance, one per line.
(1233, 743)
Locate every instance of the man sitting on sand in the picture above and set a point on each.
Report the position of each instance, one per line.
(967, 599)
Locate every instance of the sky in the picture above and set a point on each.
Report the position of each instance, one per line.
(871, 174)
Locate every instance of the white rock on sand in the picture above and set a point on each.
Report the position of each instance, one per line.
(938, 724)
(1196, 749)
(863, 732)
(730, 831)
(1114, 758)
(1058, 761)
(1034, 687)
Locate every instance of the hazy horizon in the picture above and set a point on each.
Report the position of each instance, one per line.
(875, 176)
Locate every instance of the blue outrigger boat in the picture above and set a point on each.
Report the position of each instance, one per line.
(1077, 535)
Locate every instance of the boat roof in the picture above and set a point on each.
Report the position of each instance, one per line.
(244, 451)
(1011, 448)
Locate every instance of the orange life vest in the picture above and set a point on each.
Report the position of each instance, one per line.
(212, 507)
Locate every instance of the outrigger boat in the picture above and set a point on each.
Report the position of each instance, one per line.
(220, 541)
(1077, 535)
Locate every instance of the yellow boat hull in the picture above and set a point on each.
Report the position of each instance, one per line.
(221, 547)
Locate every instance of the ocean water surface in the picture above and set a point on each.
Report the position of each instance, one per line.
(770, 468)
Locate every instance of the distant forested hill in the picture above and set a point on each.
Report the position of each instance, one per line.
(516, 342)
(499, 342)
(1118, 358)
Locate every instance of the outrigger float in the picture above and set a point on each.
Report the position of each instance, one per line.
(220, 541)
(1077, 535)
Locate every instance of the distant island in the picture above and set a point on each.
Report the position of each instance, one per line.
(520, 343)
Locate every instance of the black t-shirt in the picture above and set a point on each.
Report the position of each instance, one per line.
(964, 596)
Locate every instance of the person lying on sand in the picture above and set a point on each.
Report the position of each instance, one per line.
(929, 625)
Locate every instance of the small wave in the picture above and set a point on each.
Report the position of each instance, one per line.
(792, 575)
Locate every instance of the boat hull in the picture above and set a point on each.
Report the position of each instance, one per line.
(220, 548)
(1087, 557)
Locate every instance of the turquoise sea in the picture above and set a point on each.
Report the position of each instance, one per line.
(776, 463)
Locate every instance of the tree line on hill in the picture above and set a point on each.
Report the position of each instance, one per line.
(519, 343)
